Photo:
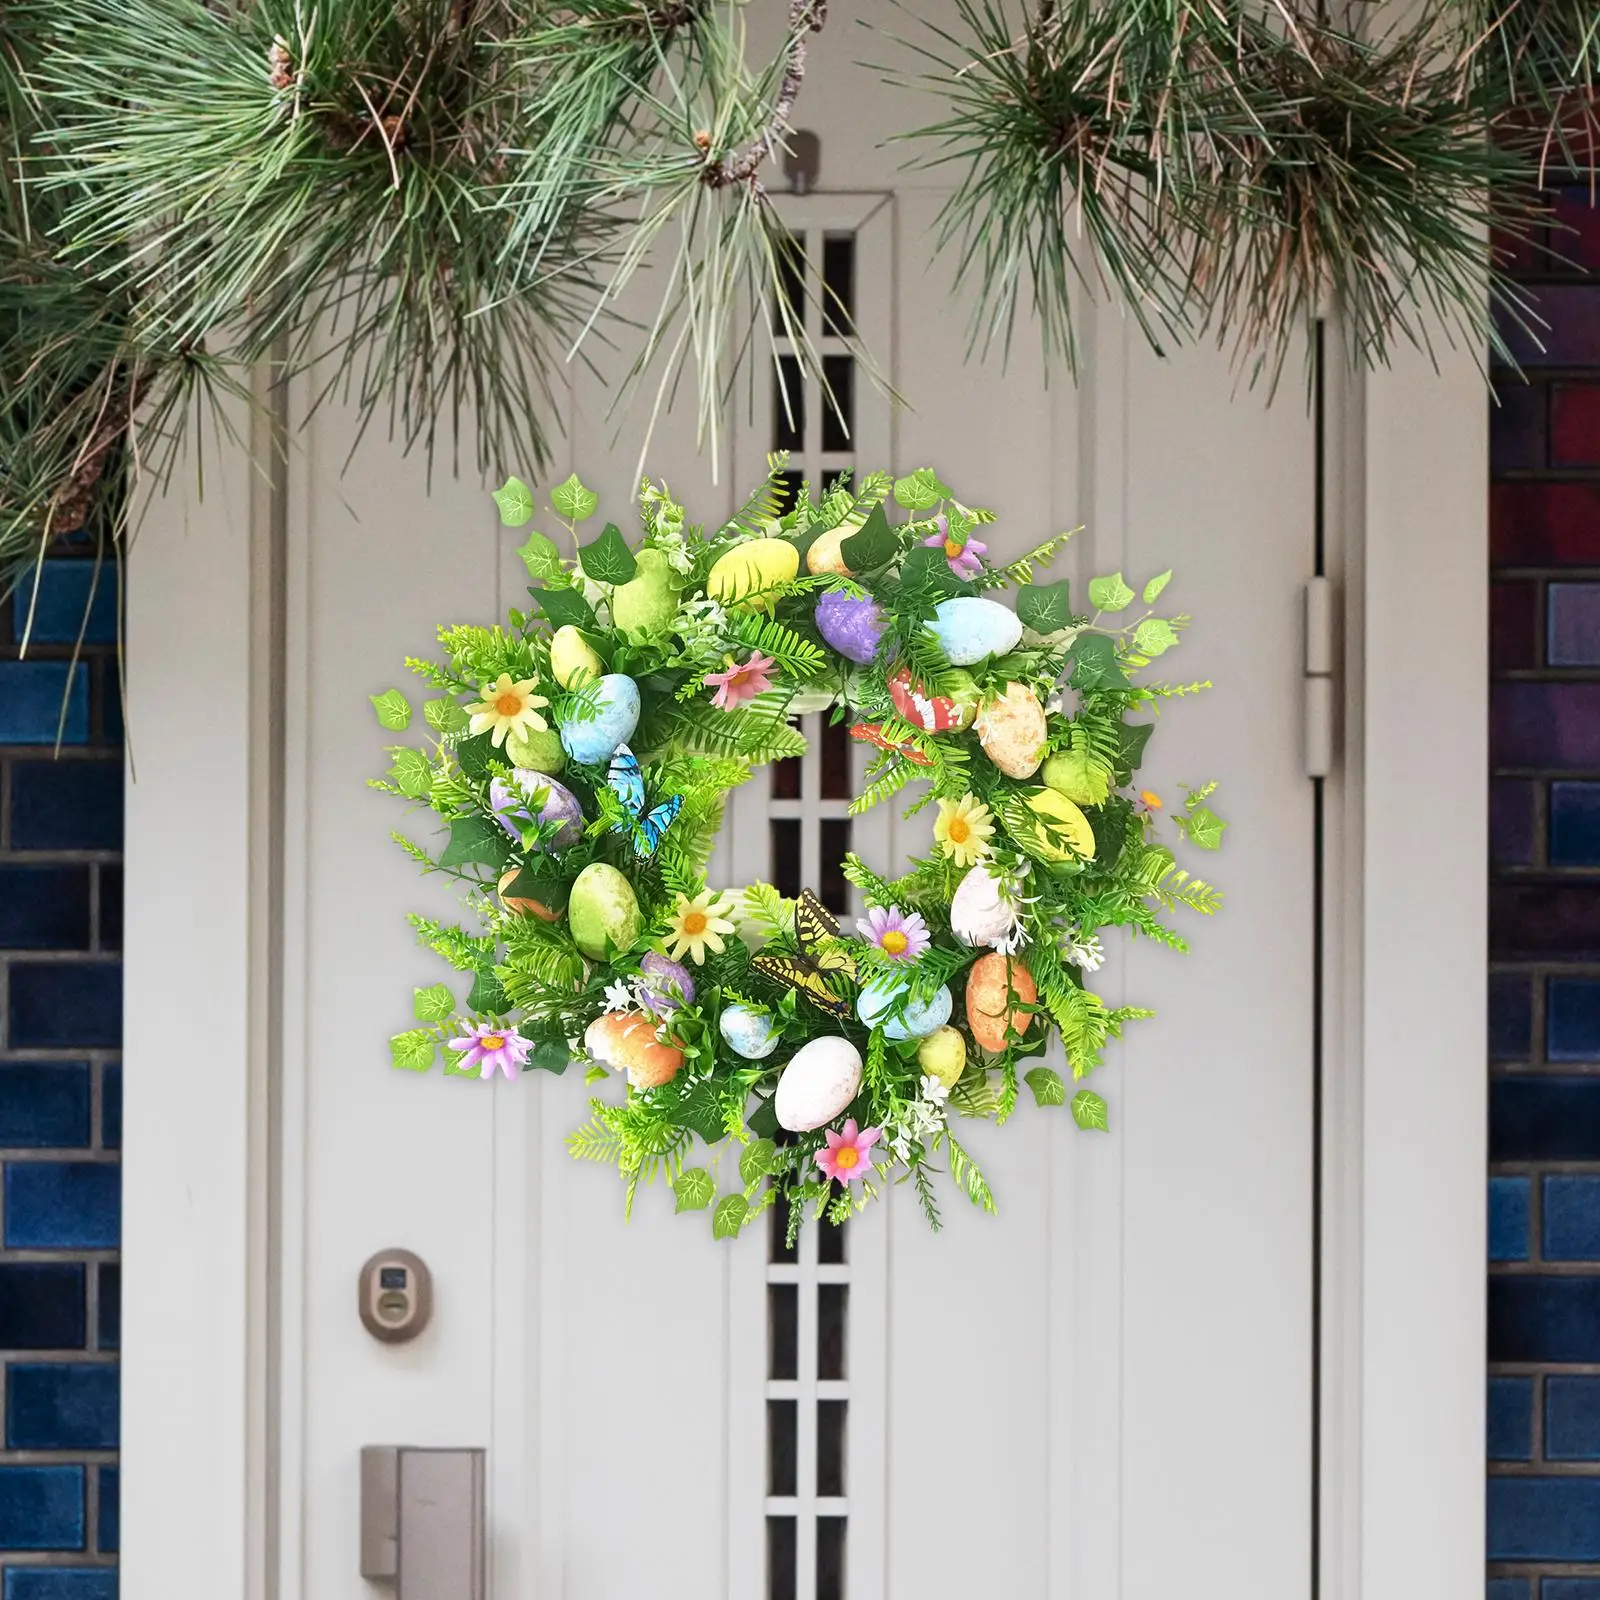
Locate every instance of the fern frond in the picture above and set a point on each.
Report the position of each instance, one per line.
(893, 779)
(964, 1171)
(1020, 571)
(799, 658)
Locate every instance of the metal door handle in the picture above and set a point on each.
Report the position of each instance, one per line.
(423, 1521)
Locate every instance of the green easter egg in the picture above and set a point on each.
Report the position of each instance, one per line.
(603, 906)
(648, 601)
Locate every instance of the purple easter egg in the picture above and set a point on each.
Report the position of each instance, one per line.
(665, 984)
(511, 806)
(852, 624)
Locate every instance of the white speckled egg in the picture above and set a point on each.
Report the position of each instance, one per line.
(820, 1081)
(970, 629)
(748, 1032)
(617, 715)
(1012, 730)
(977, 915)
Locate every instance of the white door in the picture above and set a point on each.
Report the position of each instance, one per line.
(1103, 1393)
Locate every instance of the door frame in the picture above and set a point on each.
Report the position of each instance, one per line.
(1404, 1137)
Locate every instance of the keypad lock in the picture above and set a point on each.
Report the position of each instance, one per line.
(395, 1296)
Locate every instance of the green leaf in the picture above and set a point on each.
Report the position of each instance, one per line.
(1089, 1110)
(413, 1051)
(444, 716)
(764, 1119)
(921, 491)
(561, 606)
(486, 995)
(1110, 594)
(1046, 607)
(698, 1108)
(1048, 1089)
(1154, 637)
(728, 1218)
(695, 1189)
(573, 501)
(515, 500)
(1132, 737)
(608, 559)
(475, 839)
(541, 558)
(757, 1160)
(872, 544)
(394, 710)
(1204, 828)
(1094, 663)
(1152, 590)
(411, 773)
(552, 1055)
(433, 1004)
(476, 753)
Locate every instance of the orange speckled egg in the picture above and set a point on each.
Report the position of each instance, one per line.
(516, 902)
(993, 980)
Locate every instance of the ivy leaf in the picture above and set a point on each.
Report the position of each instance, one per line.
(921, 491)
(695, 1190)
(1204, 828)
(413, 1051)
(608, 559)
(1154, 637)
(475, 840)
(476, 753)
(757, 1160)
(1048, 1089)
(394, 710)
(1094, 663)
(1110, 594)
(698, 1108)
(872, 544)
(515, 500)
(763, 1121)
(926, 576)
(411, 773)
(561, 606)
(1047, 607)
(541, 558)
(1152, 590)
(552, 1055)
(433, 1004)
(486, 996)
(573, 501)
(444, 716)
(1133, 737)
(729, 1217)
(1089, 1110)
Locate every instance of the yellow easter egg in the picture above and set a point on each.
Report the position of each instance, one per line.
(749, 568)
(571, 655)
(943, 1055)
(1063, 833)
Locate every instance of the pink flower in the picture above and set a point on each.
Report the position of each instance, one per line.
(901, 935)
(742, 681)
(962, 555)
(849, 1154)
(491, 1049)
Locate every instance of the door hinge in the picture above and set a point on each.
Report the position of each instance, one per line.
(1317, 678)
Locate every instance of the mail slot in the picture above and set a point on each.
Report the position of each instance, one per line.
(423, 1521)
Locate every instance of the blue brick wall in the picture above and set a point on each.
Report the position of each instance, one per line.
(60, 1085)
(1544, 1021)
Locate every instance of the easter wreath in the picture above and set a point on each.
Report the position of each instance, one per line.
(581, 758)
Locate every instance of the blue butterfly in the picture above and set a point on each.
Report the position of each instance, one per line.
(627, 783)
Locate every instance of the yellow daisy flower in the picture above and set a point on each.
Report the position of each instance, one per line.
(698, 924)
(963, 829)
(508, 707)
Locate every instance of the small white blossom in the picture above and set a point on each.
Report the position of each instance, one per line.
(620, 996)
(933, 1090)
(901, 1146)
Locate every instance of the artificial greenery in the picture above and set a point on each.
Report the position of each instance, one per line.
(432, 204)
(576, 765)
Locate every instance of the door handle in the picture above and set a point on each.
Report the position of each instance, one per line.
(423, 1523)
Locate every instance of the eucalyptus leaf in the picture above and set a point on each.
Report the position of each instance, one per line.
(695, 1189)
(608, 559)
(1089, 1110)
(541, 558)
(515, 500)
(573, 501)
(1110, 594)
(729, 1217)
(432, 1004)
(871, 545)
(413, 1051)
(394, 710)
(1048, 1089)
(1046, 607)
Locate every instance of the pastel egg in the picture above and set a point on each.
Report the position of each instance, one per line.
(943, 1055)
(1070, 772)
(851, 624)
(970, 628)
(572, 656)
(978, 916)
(751, 567)
(1062, 832)
(603, 907)
(934, 713)
(537, 751)
(648, 601)
(523, 904)
(820, 1080)
(825, 554)
(1012, 731)
(996, 986)
(919, 1018)
(616, 707)
(666, 984)
(513, 806)
(748, 1032)
(627, 1041)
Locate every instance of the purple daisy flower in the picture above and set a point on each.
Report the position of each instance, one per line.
(962, 556)
(492, 1049)
(902, 935)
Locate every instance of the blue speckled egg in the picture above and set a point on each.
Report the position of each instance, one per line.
(513, 806)
(970, 629)
(617, 706)
(920, 1019)
(748, 1032)
(852, 624)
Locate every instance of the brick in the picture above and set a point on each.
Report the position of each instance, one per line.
(1517, 427)
(110, 1297)
(63, 1205)
(110, 907)
(111, 1108)
(1572, 1418)
(1551, 725)
(1544, 524)
(1572, 1030)
(1571, 1229)
(60, 1583)
(41, 1508)
(1573, 631)
(1544, 1118)
(1508, 1219)
(53, 611)
(1544, 1519)
(66, 805)
(110, 1540)
(44, 908)
(1508, 1589)
(1544, 919)
(1575, 425)
(1575, 824)
(1534, 1318)
(44, 1103)
(31, 702)
(1513, 626)
(1511, 830)
(1575, 235)
(1510, 1016)
(42, 1306)
(65, 1005)
(62, 1405)
(1572, 337)
(1510, 1419)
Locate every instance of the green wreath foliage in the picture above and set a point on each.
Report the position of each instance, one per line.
(578, 760)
